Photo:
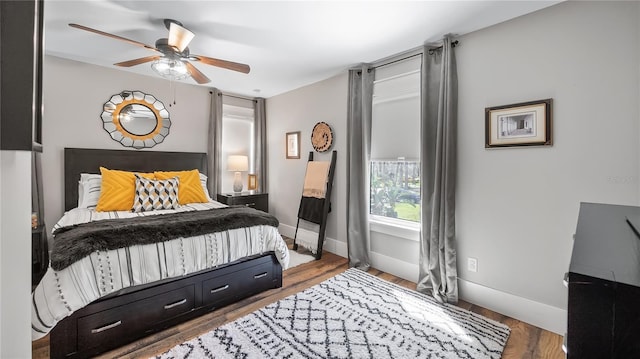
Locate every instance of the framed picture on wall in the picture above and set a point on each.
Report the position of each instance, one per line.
(252, 182)
(519, 124)
(292, 142)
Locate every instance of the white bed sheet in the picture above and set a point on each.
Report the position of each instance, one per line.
(60, 293)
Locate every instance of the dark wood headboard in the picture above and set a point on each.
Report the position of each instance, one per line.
(84, 160)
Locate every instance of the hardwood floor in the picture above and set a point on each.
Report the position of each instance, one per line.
(525, 341)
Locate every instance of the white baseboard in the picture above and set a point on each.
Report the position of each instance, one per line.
(330, 244)
(402, 269)
(535, 313)
(526, 310)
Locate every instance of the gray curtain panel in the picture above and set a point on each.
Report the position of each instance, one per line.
(260, 140)
(437, 263)
(214, 143)
(359, 145)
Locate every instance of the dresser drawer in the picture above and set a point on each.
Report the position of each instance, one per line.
(221, 290)
(250, 201)
(258, 200)
(102, 328)
(233, 286)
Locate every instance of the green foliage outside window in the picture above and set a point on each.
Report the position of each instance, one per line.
(395, 189)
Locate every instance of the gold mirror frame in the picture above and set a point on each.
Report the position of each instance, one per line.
(112, 115)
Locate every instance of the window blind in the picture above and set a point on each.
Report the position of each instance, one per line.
(395, 129)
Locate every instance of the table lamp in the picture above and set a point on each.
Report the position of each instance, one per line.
(237, 164)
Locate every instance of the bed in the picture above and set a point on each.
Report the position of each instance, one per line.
(137, 308)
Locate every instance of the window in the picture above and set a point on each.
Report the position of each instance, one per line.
(395, 189)
(395, 142)
(237, 138)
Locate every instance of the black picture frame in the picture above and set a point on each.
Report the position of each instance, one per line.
(519, 124)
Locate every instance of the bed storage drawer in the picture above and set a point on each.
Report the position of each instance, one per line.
(142, 311)
(113, 324)
(230, 287)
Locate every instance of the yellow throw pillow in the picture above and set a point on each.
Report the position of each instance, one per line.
(189, 189)
(117, 190)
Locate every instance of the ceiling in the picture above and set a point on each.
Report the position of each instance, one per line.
(288, 44)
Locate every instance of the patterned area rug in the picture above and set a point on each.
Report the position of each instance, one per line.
(352, 315)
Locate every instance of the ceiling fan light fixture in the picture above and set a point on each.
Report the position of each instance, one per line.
(179, 37)
(172, 69)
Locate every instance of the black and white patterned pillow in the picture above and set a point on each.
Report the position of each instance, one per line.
(152, 195)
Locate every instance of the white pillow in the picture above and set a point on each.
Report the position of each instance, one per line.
(80, 193)
(203, 182)
(89, 190)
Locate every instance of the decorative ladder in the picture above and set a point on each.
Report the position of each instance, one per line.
(325, 208)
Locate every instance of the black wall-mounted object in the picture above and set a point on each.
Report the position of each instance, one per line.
(21, 41)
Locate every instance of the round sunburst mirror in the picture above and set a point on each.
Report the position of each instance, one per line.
(136, 119)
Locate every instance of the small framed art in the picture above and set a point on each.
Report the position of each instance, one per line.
(292, 140)
(519, 124)
(252, 182)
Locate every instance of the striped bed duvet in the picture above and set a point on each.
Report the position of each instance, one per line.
(60, 293)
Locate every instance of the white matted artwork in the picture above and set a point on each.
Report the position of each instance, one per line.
(521, 124)
(292, 142)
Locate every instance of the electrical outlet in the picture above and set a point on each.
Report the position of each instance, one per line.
(472, 264)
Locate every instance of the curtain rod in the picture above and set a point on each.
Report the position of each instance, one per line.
(393, 61)
(236, 96)
(433, 50)
(406, 55)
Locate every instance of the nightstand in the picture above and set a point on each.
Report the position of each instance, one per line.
(257, 200)
(39, 254)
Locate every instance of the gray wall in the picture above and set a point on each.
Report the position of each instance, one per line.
(516, 207)
(74, 95)
(300, 110)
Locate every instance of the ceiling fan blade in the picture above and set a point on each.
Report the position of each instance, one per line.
(179, 36)
(235, 66)
(132, 42)
(139, 61)
(196, 74)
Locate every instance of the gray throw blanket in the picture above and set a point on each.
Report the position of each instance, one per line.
(76, 242)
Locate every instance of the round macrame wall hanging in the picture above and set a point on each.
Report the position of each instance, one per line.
(321, 137)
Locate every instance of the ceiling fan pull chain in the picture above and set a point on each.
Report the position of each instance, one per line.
(172, 90)
(174, 94)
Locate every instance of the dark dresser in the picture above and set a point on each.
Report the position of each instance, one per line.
(604, 284)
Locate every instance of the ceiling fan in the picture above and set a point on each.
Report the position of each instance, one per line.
(174, 59)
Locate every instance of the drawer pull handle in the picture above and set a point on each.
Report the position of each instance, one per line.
(250, 204)
(180, 302)
(106, 327)
(258, 276)
(565, 280)
(220, 289)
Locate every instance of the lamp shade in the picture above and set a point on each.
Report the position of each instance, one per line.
(238, 163)
(179, 36)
